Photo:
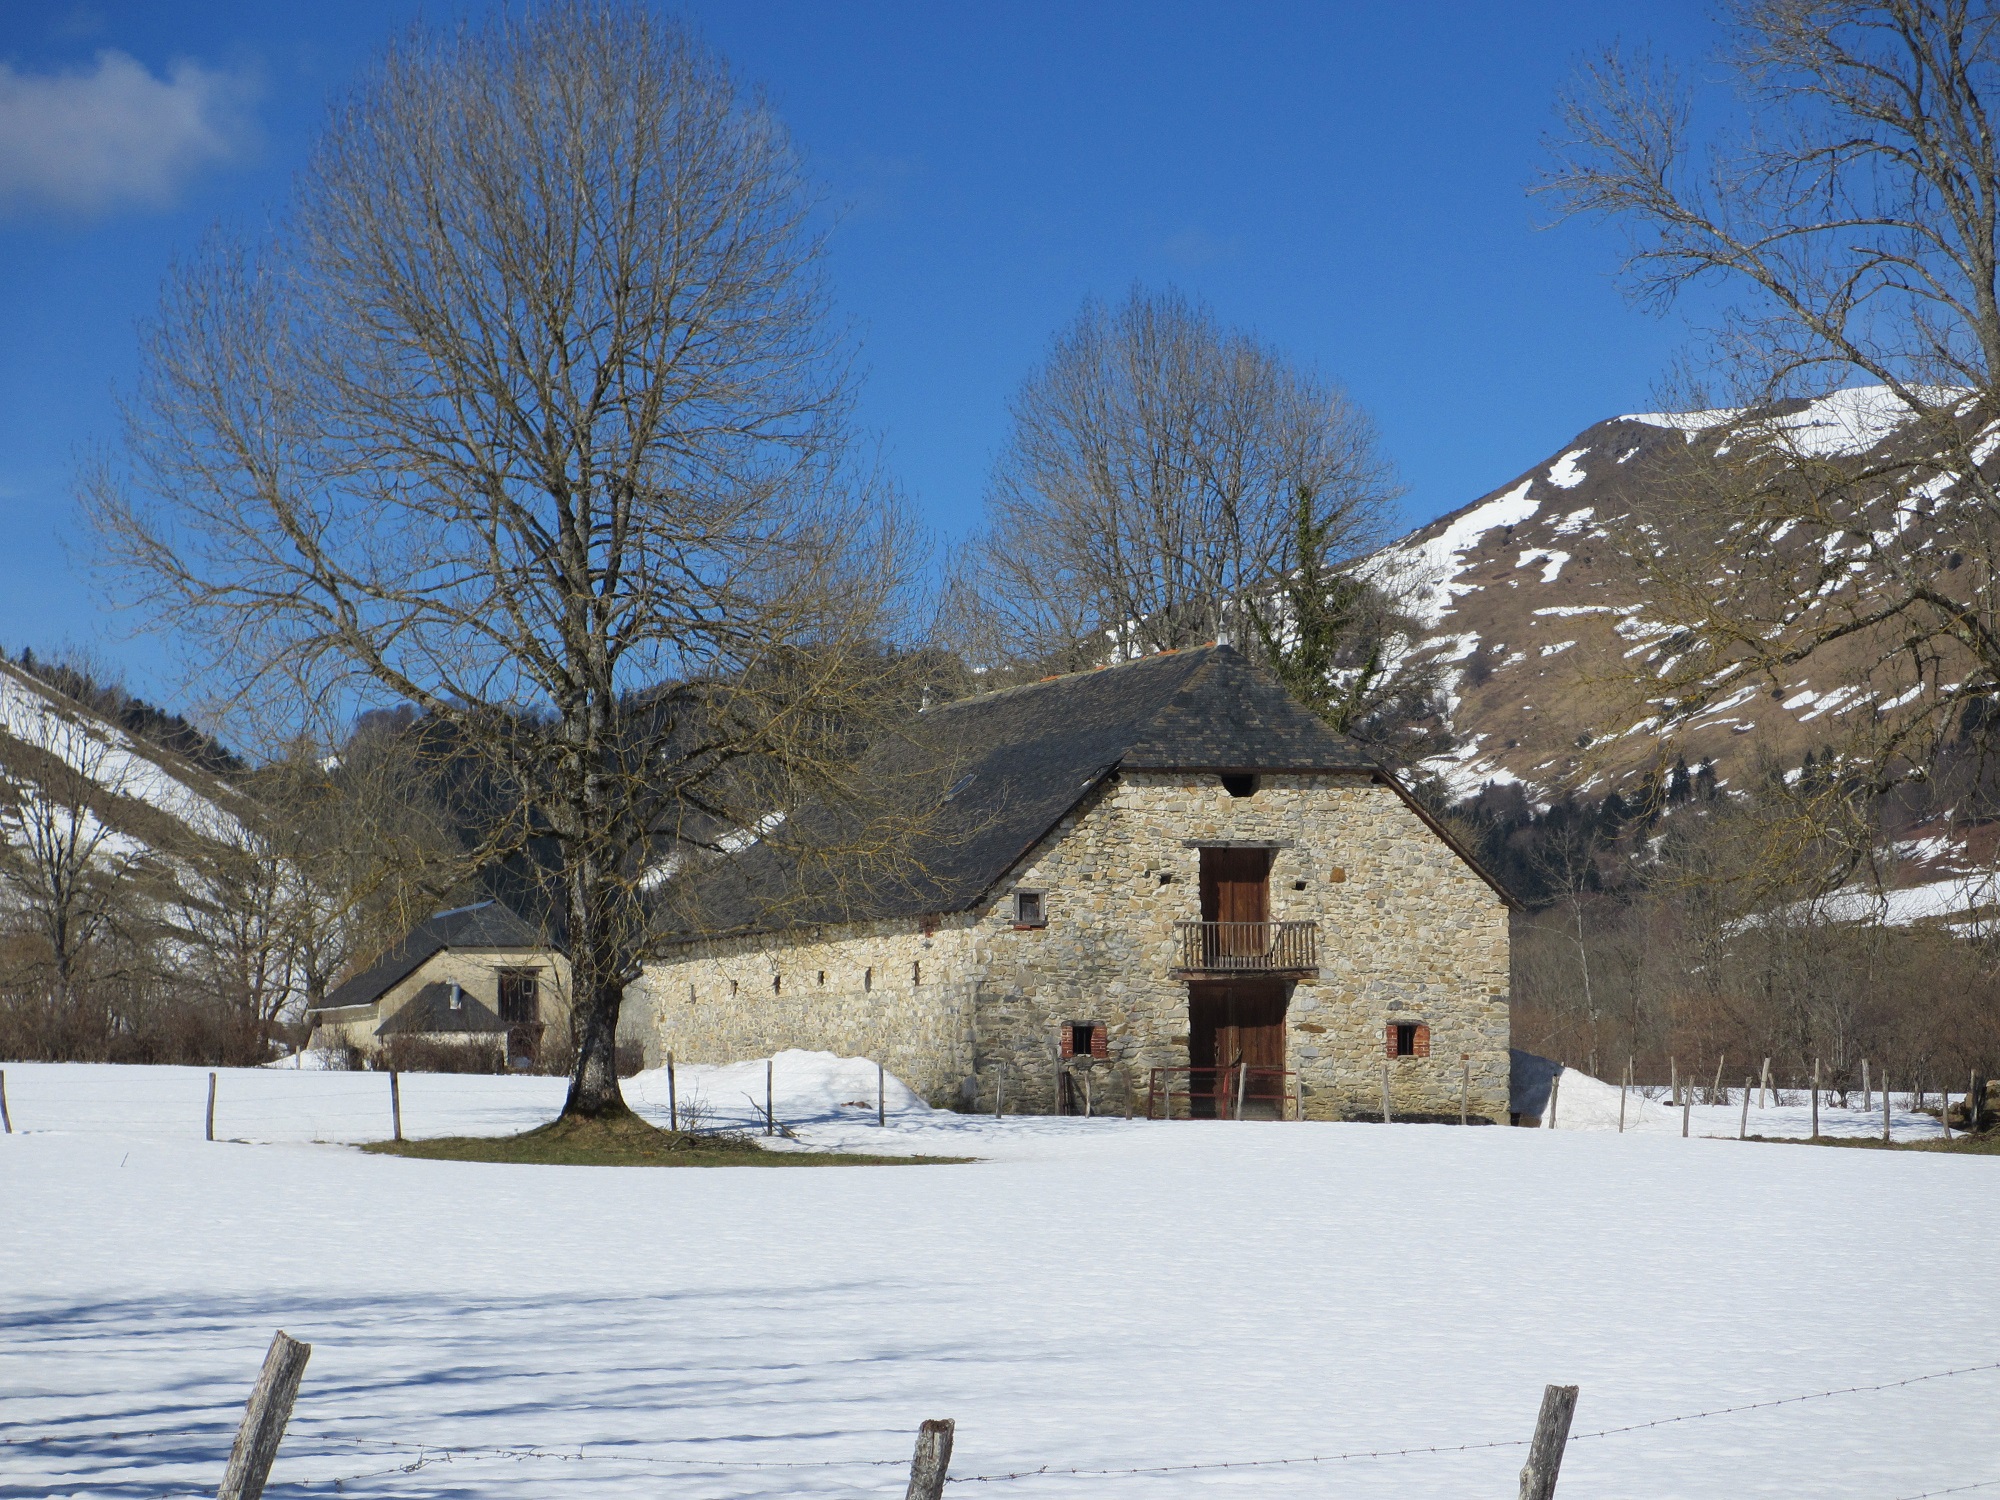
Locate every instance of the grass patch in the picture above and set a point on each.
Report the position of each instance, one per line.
(1986, 1144)
(628, 1141)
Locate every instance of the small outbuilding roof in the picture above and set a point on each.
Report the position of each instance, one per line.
(983, 780)
(431, 1013)
(486, 924)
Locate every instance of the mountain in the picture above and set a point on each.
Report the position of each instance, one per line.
(141, 805)
(1547, 641)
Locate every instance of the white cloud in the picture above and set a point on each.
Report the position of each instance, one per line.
(113, 134)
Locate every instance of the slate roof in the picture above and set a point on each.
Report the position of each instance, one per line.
(487, 924)
(1010, 765)
(429, 1013)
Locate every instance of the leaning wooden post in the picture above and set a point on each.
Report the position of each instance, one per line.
(396, 1102)
(1885, 1106)
(770, 1115)
(1385, 1092)
(932, 1461)
(6, 1120)
(1687, 1105)
(1867, 1096)
(1743, 1125)
(264, 1419)
(881, 1098)
(1715, 1090)
(999, 1090)
(1674, 1080)
(1464, 1088)
(211, 1107)
(1242, 1088)
(1944, 1111)
(1624, 1087)
(1545, 1450)
(1555, 1093)
(1815, 1112)
(673, 1098)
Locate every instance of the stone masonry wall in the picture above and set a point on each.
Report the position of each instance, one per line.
(890, 991)
(1407, 932)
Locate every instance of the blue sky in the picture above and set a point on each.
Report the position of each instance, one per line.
(1347, 179)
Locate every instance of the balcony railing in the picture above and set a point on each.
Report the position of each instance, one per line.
(1248, 947)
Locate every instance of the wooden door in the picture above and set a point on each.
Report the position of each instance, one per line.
(1236, 893)
(1230, 1025)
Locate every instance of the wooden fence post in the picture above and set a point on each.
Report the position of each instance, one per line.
(1867, 1097)
(1674, 1080)
(769, 1116)
(1715, 1090)
(1624, 1087)
(1743, 1125)
(1815, 1112)
(1687, 1105)
(1464, 1090)
(396, 1102)
(1555, 1093)
(1242, 1088)
(999, 1090)
(1885, 1106)
(1764, 1084)
(1385, 1092)
(210, 1132)
(881, 1098)
(673, 1097)
(1545, 1452)
(6, 1120)
(264, 1419)
(932, 1461)
(1944, 1111)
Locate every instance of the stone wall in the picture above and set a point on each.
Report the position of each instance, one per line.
(1407, 932)
(891, 991)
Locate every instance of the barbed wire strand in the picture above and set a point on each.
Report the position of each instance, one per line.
(1724, 1411)
(1957, 1489)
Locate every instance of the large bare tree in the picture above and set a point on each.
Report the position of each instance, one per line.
(1162, 470)
(1844, 233)
(529, 414)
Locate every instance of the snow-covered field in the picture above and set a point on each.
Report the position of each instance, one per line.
(1097, 1295)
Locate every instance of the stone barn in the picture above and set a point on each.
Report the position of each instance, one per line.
(1162, 885)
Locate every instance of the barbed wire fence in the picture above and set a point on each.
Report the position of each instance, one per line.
(269, 1409)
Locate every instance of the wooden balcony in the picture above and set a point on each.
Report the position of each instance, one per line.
(1238, 948)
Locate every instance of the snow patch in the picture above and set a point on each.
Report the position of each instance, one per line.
(1565, 473)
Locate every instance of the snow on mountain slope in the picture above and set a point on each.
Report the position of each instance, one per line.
(56, 751)
(1548, 640)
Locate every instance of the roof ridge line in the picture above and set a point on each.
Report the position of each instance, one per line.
(1110, 666)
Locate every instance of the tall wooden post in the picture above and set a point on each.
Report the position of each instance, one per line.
(1743, 1125)
(1624, 1088)
(673, 1097)
(1815, 1109)
(1385, 1091)
(1867, 1096)
(1674, 1081)
(999, 1090)
(881, 1098)
(1885, 1106)
(1715, 1090)
(1545, 1450)
(1555, 1093)
(932, 1461)
(1687, 1105)
(1944, 1111)
(210, 1132)
(770, 1115)
(6, 1120)
(396, 1102)
(1464, 1090)
(1242, 1088)
(1764, 1085)
(264, 1419)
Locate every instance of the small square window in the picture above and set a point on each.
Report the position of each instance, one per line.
(1409, 1039)
(1029, 910)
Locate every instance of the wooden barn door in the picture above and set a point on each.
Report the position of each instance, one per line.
(1242, 1021)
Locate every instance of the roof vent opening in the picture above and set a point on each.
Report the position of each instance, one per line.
(1239, 784)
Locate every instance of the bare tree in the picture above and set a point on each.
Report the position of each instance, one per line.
(1161, 469)
(530, 415)
(68, 875)
(1852, 228)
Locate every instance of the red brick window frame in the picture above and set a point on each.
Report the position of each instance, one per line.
(1084, 1039)
(1407, 1039)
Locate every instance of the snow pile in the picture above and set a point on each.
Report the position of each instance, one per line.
(807, 1088)
(1584, 1103)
